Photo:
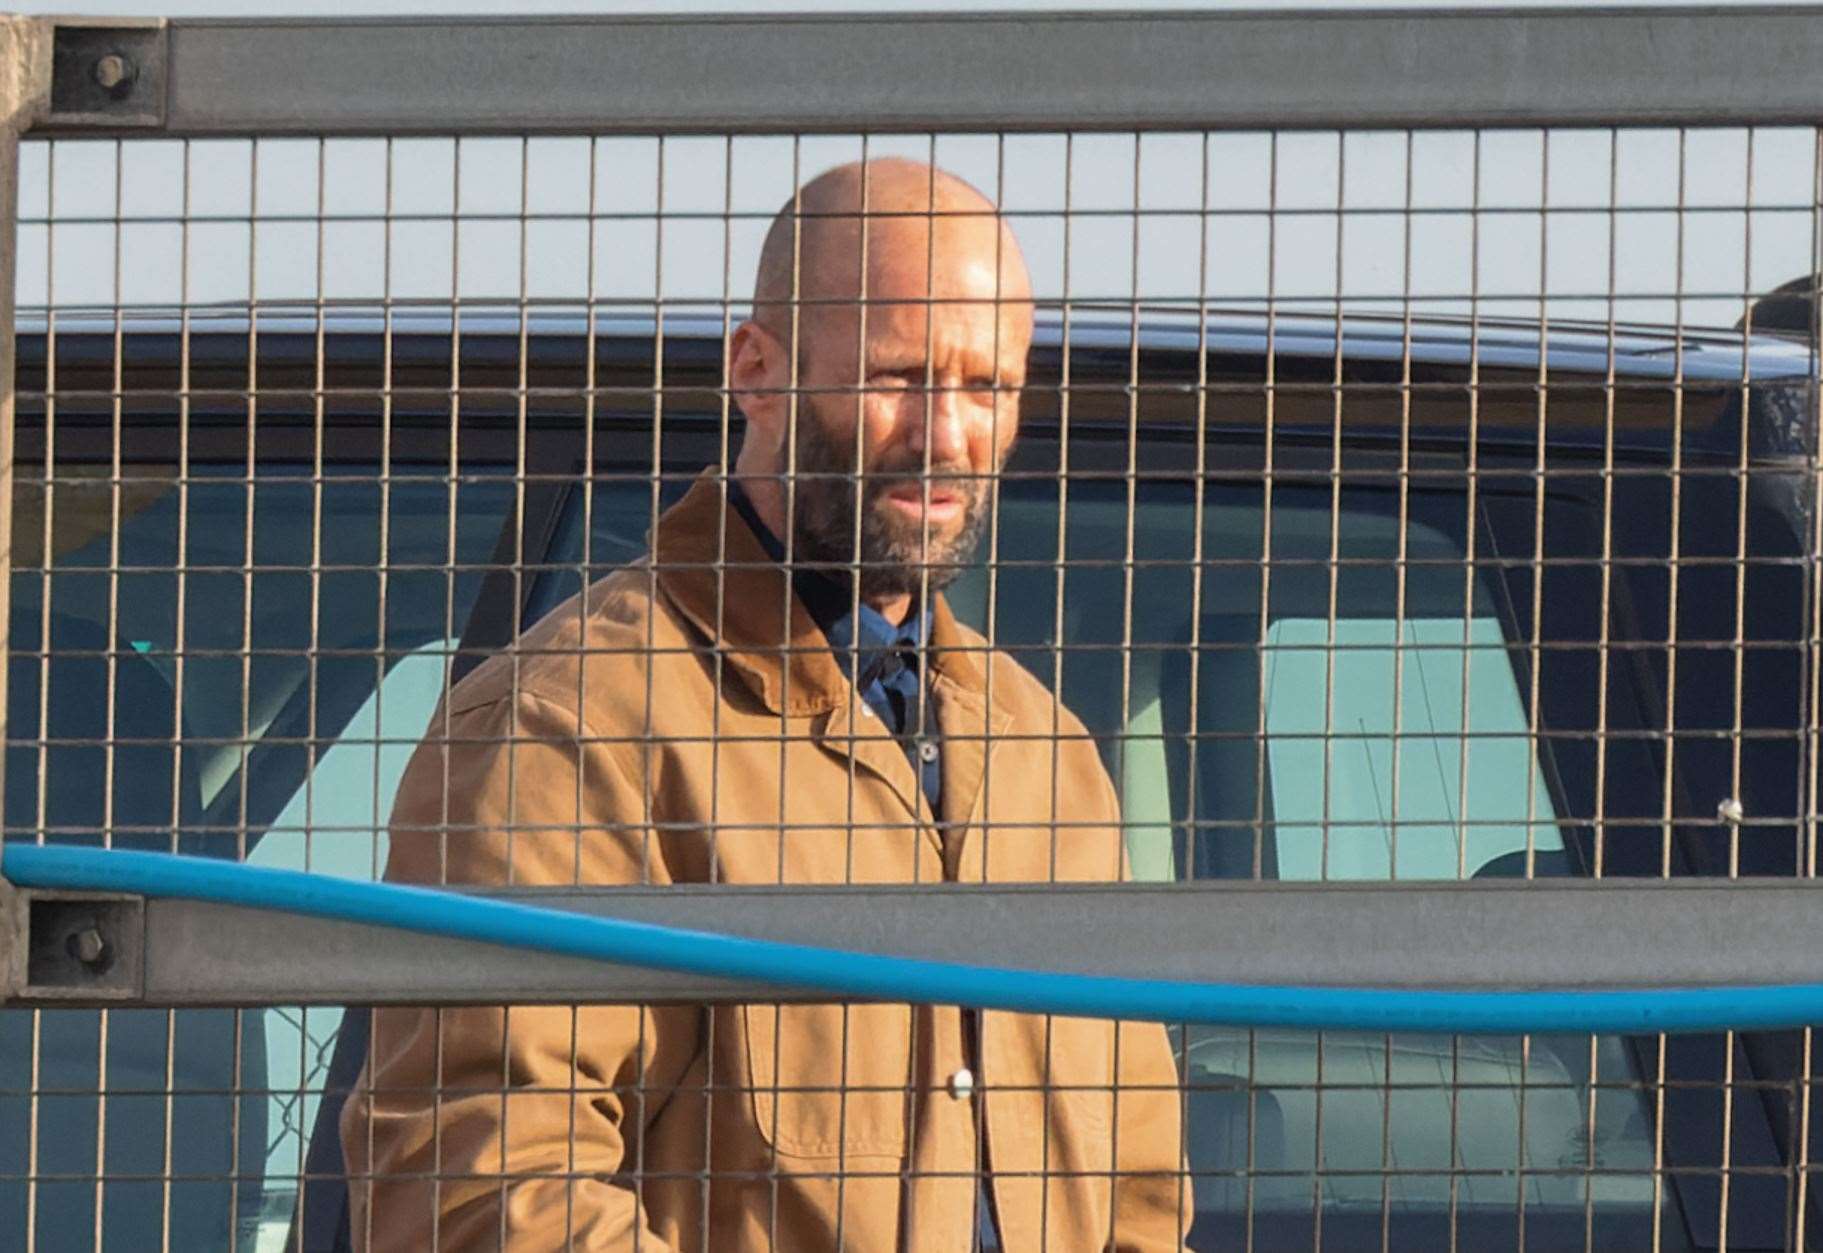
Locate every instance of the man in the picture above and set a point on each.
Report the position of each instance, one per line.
(740, 710)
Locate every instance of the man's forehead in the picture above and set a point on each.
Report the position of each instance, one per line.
(974, 335)
(901, 290)
(911, 260)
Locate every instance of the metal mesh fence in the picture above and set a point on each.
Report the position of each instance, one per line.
(1384, 505)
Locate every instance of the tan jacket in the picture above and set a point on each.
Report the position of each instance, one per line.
(622, 759)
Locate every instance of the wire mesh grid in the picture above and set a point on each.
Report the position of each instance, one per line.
(1390, 505)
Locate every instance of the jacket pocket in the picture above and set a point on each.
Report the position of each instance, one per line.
(1077, 1085)
(806, 1101)
(1082, 1069)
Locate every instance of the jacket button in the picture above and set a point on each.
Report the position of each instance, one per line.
(927, 750)
(962, 1084)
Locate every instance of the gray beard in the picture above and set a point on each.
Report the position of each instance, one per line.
(892, 556)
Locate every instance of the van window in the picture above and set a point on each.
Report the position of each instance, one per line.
(1333, 736)
(95, 659)
(1444, 795)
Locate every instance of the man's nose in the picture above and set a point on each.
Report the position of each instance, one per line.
(939, 421)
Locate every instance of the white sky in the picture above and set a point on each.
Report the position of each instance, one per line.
(1613, 218)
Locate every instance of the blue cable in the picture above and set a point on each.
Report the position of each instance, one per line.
(430, 911)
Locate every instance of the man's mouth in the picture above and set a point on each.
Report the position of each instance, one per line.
(909, 499)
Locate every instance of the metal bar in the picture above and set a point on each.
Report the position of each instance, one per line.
(24, 96)
(1684, 933)
(997, 71)
(14, 941)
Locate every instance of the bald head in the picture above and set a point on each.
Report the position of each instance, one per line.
(880, 373)
(886, 229)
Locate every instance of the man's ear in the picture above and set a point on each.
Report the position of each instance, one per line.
(758, 378)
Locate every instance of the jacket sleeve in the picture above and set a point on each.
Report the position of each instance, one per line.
(511, 1126)
(1152, 1202)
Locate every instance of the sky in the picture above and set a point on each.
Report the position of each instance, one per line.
(1510, 222)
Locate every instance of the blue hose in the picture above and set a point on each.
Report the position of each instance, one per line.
(430, 911)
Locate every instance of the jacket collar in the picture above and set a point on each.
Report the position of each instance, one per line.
(717, 573)
(860, 636)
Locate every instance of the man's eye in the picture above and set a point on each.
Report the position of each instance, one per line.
(890, 378)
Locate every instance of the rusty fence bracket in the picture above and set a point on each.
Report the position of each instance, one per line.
(25, 79)
(107, 74)
(14, 941)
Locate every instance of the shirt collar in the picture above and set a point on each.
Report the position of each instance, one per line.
(710, 568)
(854, 633)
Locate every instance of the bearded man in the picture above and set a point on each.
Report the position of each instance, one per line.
(781, 695)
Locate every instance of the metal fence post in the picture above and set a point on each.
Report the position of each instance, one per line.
(25, 80)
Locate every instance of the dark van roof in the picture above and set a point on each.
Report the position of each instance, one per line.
(1397, 373)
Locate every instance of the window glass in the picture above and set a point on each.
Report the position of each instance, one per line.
(1328, 697)
(1456, 772)
(203, 742)
(619, 517)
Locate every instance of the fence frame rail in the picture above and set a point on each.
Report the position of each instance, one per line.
(896, 72)
(1559, 935)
